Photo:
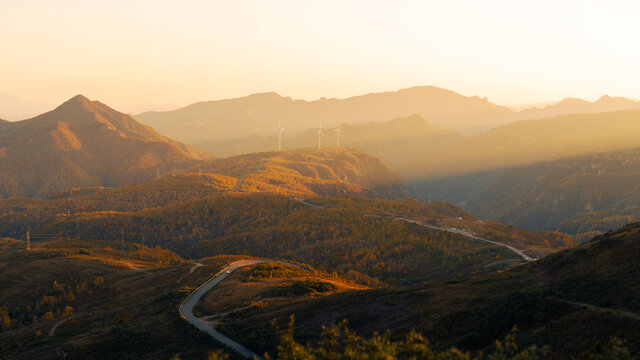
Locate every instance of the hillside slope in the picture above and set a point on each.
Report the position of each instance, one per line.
(591, 290)
(545, 195)
(83, 143)
(353, 235)
(311, 172)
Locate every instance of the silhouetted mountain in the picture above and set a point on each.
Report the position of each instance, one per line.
(83, 143)
(589, 193)
(574, 106)
(259, 113)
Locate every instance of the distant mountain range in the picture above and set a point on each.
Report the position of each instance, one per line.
(83, 143)
(258, 114)
(574, 105)
(14, 108)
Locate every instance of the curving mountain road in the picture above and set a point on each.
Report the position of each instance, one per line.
(467, 234)
(459, 232)
(186, 308)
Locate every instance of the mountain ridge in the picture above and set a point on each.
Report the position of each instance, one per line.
(258, 114)
(261, 112)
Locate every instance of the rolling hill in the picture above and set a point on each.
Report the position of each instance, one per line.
(199, 215)
(310, 172)
(83, 143)
(590, 290)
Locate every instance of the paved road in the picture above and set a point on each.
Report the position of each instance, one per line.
(456, 231)
(186, 308)
(467, 234)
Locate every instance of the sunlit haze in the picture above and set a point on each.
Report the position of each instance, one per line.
(127, 53)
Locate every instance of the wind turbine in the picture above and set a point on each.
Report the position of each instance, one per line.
(338, 133)
(280, 130)
(320, 135)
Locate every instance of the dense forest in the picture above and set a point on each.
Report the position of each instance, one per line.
(370, 249)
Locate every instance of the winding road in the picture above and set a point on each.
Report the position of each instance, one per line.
(459, 232)
(186, 308)
(467, 234)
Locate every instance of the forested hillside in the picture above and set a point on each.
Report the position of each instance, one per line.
(591, 287)
(310, 172)
(578, 195)
(338, 235)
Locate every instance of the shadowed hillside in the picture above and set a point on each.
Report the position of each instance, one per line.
(589, 193)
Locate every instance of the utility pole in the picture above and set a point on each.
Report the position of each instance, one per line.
(28, 241)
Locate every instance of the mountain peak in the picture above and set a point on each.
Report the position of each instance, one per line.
(572, 101)
(606, 99)
(76, 102)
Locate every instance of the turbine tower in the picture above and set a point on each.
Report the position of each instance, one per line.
(338, 133)
(280, 130)
(320, 135)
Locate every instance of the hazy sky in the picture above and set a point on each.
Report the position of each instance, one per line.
(178, 52)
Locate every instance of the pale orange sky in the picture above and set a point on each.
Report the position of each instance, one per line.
(179, 52)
